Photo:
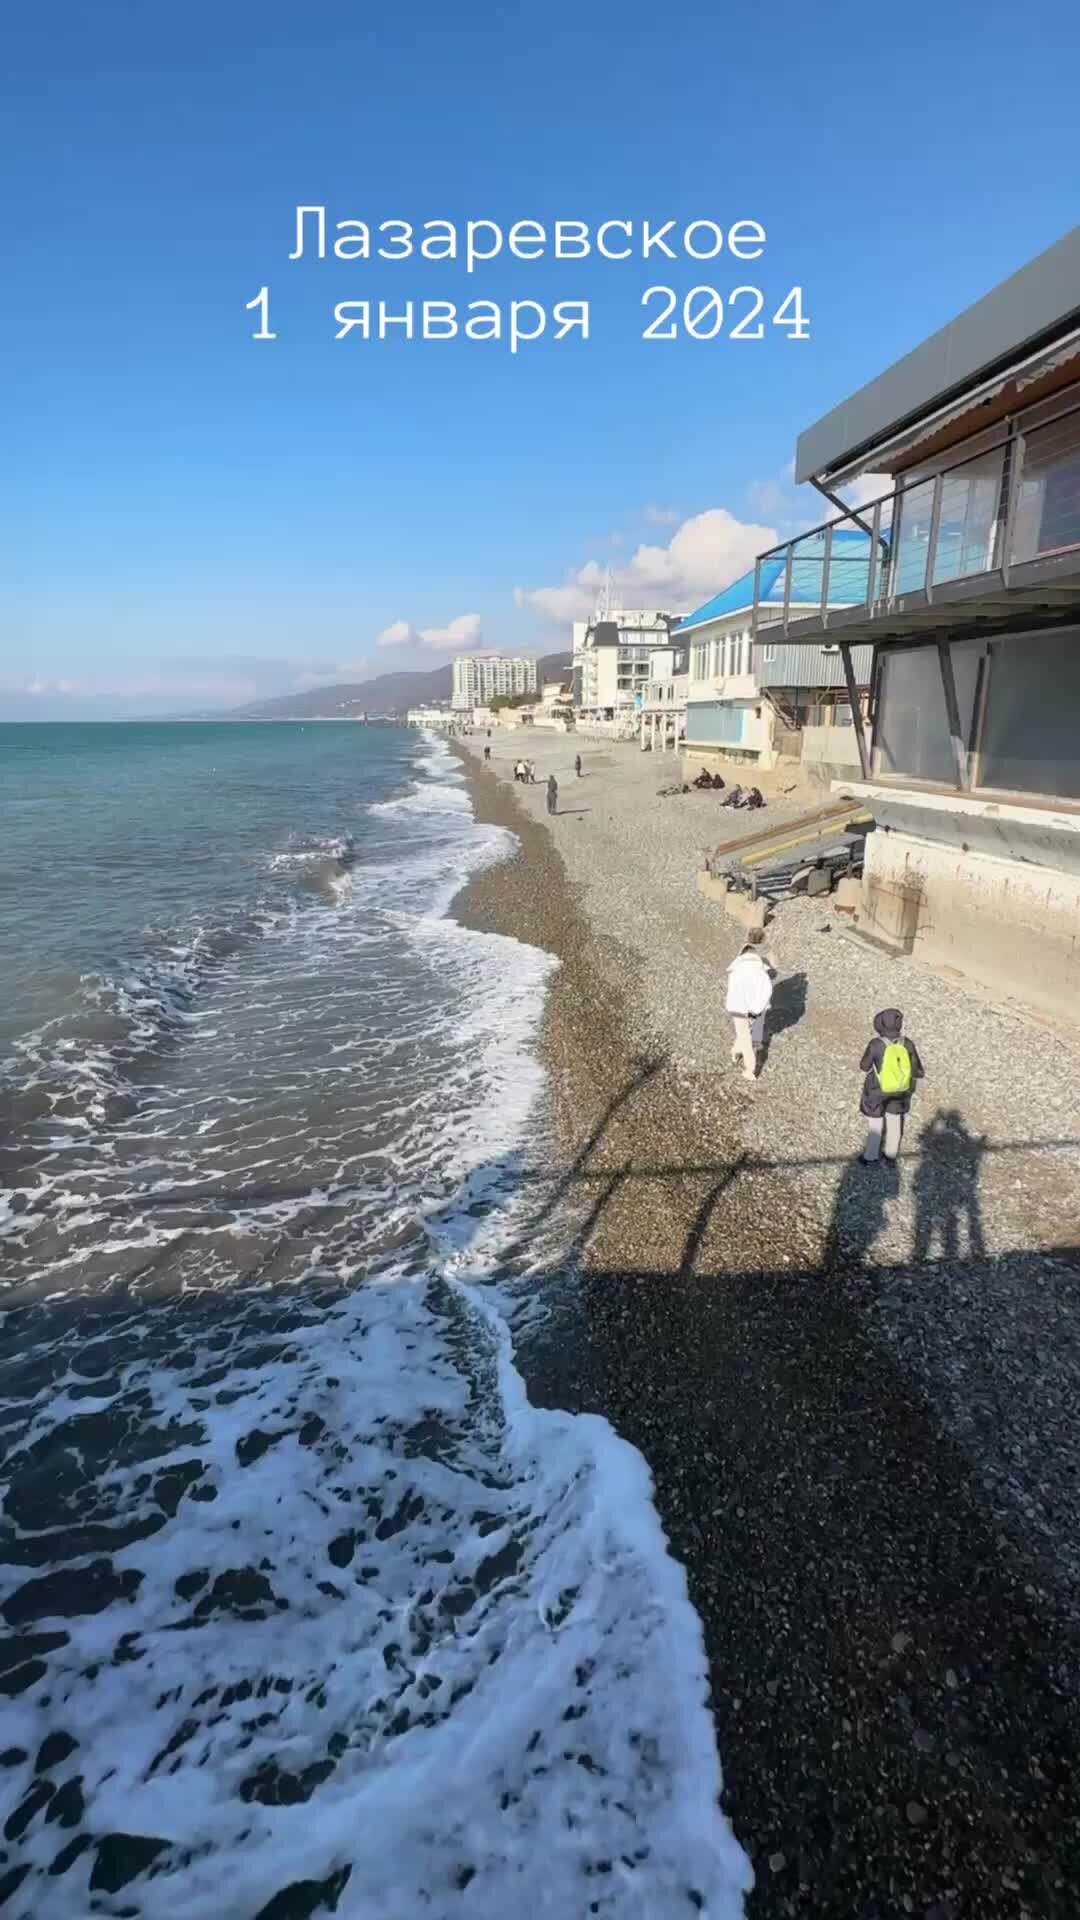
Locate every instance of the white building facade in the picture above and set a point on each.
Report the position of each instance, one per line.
(615, 659)
(479, 677)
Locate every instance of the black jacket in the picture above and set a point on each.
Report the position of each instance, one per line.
(874, 1102)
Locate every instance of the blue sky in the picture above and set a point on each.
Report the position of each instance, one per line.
(192, 517)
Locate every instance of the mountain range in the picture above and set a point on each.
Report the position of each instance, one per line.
(387, 693)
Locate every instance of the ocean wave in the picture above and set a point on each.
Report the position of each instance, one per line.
(432, 797)
(82, 1069)
(76, 1070)
(320, 864)
(313, 1597)
(370, 1619)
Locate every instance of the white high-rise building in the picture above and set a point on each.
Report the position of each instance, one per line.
(615, 657)
(478, 677)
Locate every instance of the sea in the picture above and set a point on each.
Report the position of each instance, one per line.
(306, 1607)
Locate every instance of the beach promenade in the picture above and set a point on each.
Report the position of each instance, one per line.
(858, 1390)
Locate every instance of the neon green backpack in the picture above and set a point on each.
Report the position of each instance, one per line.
(894, 1073)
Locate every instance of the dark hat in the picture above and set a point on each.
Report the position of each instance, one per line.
(889, 1023)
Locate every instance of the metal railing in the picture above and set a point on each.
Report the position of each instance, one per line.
(1005, 507)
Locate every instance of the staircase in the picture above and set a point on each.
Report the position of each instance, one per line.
(787, 732)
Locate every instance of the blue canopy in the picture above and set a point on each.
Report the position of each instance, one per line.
(848, 578)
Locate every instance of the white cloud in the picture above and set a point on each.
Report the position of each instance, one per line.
(709, 551)
(706, 553)
(569, 603)
(397, 634)
(867, 488)
(463, 634)
(660, 516)
(573, 601)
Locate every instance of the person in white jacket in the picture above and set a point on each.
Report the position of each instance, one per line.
(749, 996)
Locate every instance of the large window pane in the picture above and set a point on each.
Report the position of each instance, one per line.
(1031, 738)
(967, 520)
(912, 538)
(912, 735)
(1048, 503)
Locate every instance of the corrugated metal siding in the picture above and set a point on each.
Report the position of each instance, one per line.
(807, 666)
(713, 723)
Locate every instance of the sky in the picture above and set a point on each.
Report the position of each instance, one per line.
(194, 518)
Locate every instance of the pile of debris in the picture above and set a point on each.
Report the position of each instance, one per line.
(806, 855)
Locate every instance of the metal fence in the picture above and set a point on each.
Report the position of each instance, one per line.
(1010, 506)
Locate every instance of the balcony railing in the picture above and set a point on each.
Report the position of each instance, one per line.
(1012, 512)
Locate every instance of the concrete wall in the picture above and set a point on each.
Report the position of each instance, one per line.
(989, 889)
(831, 746)
(829, 754)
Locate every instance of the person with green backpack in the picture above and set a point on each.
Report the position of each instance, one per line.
(892, 1066)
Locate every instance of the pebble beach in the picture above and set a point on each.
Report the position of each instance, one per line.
(857, 1389)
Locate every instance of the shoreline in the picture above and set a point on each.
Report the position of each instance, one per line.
(885, 1657)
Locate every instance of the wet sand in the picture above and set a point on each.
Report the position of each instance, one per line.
(894, 1664)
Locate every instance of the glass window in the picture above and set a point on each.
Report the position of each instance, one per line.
(1033, 698)
(968, 519)
(912, 538)
(1048, 502)
(912, 735)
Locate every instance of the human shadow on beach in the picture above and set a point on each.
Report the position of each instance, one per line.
(858, 1214)
(946, 1188)
(786, 1010)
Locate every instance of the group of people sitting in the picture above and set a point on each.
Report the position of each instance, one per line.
(525, 771)
(737, 797)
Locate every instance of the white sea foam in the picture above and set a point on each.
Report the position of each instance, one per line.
(367, 1618)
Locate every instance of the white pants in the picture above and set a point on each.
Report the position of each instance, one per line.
(748, 1040)
(892, 1126)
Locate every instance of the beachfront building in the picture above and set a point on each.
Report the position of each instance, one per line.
(433, 717)
(662, 722)
(971, 604)
(478, 677)
(757, 703)
(616, 655)
(555, 708)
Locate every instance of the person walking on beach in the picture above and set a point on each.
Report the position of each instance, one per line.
(892, 1066)
(749, 996)
(577, 765)
(552, 794)
(487, 753)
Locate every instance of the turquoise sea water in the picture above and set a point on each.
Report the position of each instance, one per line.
(305, 1608)
(117, 838)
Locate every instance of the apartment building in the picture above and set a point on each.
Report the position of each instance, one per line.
(479, 677)
(615, 658)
